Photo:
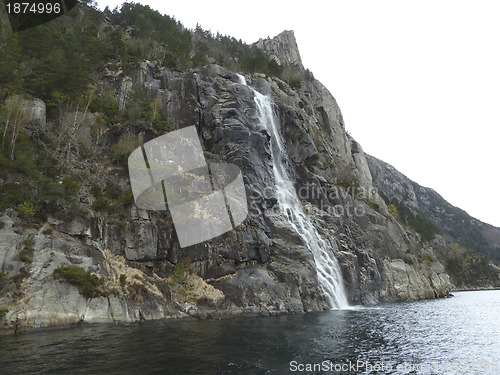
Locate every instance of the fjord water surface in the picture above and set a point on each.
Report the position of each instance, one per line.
(456, 335)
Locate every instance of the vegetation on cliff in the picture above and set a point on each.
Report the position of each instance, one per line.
(88, 284)
(423, 226)
(62, 62)
(57, 61)
(467, 268)
(467, 231)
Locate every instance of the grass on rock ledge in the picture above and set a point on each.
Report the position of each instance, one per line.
(89, 285)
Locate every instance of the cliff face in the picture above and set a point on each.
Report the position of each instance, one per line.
(262, 266)
(283, 49)
(466, 230)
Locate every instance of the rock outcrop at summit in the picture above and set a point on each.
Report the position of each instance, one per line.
(283, 49)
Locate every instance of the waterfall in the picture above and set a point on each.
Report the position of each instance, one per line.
(328, 270)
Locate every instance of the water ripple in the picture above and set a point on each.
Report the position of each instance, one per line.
(454, 333)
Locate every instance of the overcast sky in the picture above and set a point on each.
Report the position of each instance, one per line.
(418, 82)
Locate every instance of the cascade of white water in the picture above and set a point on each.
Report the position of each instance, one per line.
(329, 275)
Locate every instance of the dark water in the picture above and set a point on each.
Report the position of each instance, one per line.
(459, 335)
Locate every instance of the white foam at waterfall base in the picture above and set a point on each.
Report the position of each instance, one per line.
(328, 270)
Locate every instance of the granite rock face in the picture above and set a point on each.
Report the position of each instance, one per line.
(283, 49)
(32, 114)
(37, 116)
(261, 267)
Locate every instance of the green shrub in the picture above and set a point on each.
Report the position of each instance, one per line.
(350, 184)
(199, 60)
(311, 161)
(26, 210)
(427, 258)
(115, 203)
(161, 124)
(111, 191)
(4, 279)
(100, 204)
(89, 285)
(96, 191)
(107, 105)
(70, 187)
(408, 218)
(123, 279)
(470, 268)
(179, 273)
(3, 312)
(153, 113)
(13, 193)
(122, 149)
(393, 211)
(24, 256)
(125, 198)
(374, 205)
(409, 260)
(295, 83)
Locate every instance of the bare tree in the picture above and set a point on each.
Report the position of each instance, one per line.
(17, 114)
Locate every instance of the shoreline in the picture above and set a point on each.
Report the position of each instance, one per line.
(470, 289)
(205, 315)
